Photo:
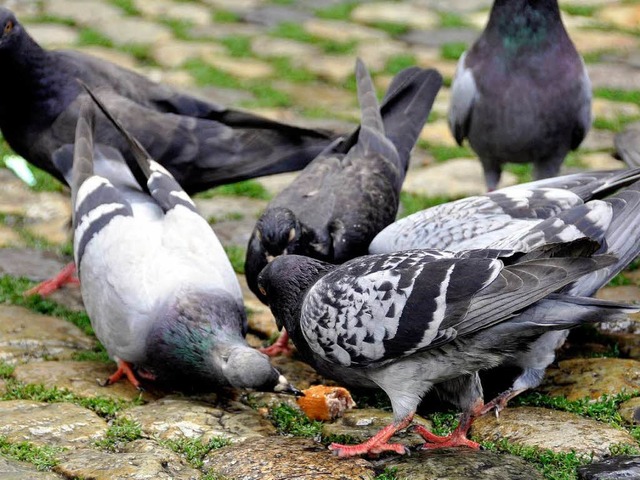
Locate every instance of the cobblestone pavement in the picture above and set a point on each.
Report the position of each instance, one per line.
(294, 61)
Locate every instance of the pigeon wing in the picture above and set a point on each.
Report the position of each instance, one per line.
(463, 96)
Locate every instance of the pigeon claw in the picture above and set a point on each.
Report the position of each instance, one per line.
(125, 369)
(457, 438)
(279, 347)
(65, 276)
(345, 451)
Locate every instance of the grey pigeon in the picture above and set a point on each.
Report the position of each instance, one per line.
(627, 145)
(201, 144)
(408, 321)
(522, 218)
(521, 93)
(157, 285)
(345, 196)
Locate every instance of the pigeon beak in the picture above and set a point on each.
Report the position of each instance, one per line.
(284, 386)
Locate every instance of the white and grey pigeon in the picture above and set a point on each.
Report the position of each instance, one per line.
(157, 285)
(521, 93)
(351, 191)
(523, 217)
(408, 321)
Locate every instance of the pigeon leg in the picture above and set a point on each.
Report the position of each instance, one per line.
(500, 402)
(279, 347)
(457, 438)
(124, 369)
(376, 444)
(66, 275)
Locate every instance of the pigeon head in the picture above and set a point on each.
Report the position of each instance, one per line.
(10, 28)
(279, 231)
(245, 367)
(285, 281)
(518, 24)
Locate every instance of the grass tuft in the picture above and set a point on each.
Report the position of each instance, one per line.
(237, 255)
(122, 430)
(44, 458)
(194, 449)
(452, 50)
(290, 421)
(412, 202)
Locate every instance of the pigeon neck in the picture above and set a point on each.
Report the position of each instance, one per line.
(28, 83)
(517, 25)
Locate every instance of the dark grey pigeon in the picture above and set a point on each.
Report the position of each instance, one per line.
(602, 205)
(157, 285)
(521, 93)
(408, 321)
(342, 199)
(201, 144)
(627, 145)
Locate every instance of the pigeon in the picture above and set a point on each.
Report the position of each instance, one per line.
(405, 322)
(159, 290)
(521, 93)
(627, 145)
(200, 143)
(346, 195)
(520, 218)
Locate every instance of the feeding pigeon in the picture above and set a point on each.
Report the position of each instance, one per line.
(521, 218)
(627, 145)
(159, 290)
(201, 144)
(407, 321)
(345, 196)
(521, 93)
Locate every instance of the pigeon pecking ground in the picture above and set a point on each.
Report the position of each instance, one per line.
(293, 63)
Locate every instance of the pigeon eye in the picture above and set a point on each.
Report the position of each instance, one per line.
(292, 234)
(262, 290)
(8, 27)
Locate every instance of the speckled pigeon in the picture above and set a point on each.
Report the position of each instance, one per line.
(342, 199)
(157, 285)
(521, 218)
(521, 93)
(408, 321)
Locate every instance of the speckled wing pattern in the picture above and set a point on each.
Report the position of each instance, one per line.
(367, 312)
(379, 308)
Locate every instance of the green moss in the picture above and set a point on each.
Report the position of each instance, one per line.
(339, 11)
(287, 71)
(554, 466)
(291, 421)
(523, 171)
(605, 409)
(631, 96)
(103, 406)
(11, 292)
(452, 50)
(226, 16)
(141, 52)
(295, 31)
(89, 36)
(441, 153)
(194, 449)
(6, 370)
(267, 97)
(227, 217)
(127, 6)
(181, 28)
(98, 354)
(204, 74)
(237, 255)
(44, 181)
(238, 45)
(245, 188)
(122, 430)
(452, 20)
(389, 473)
(49, 18)
(397, 63)
(614, 125)
(44, 458)
(392, 28)
(412, 202)
(580, 10)
(620, 280)
(443, 422)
